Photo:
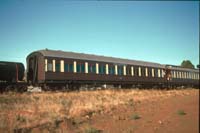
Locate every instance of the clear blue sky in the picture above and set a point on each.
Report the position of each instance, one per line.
(163, 32)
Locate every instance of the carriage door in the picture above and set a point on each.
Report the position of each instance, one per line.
(33, 68)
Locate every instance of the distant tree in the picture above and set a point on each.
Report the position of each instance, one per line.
(198, 66)
(187, 64)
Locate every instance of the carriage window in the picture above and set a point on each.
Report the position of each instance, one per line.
(71, 68)
(185, 73)
(136, 71)
(188, 75)
(156, 73)
(82, 68)
(149, 72)
(49, 67)
(132, 71)
(111, 70)
(62, 66)
(116, 70)
(152, 72)
(159, 73)
(146, 72)
(174, 74)
(177, 74)
(86, 67)
(124, 70)
(46, 65)
(57, 67)
(66, 67)
(128, 70)
(78, 68)
(139, 71)
(180, 75)
(97, 68)
(92, 68)
(102, 69)
(142, 71)
(120, 70)
(163, 73)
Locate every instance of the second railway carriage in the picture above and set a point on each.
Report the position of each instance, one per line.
(183, 76)
(51, 66)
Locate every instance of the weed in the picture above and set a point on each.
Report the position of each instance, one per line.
(92, 130)
(181, 112)
(77, 121)
(135, 117)
(13, 100)
(57, 122)
(3, 122)
(90, 113)
(36, 98)
(66, 103)
(130, 129)
(130, 102)
(21, 119)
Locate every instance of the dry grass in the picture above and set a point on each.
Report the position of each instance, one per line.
(31, 109)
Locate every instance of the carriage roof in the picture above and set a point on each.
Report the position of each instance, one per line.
(91, 57)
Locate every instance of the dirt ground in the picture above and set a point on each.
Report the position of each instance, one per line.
(159, 115)
(139, 111)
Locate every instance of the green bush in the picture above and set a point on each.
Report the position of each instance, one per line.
(135, 117)
(181, 112)
(92, 130)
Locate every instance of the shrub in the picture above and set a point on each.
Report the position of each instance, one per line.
(21, 118)
(135, 117)
(130, 102)
(92, 130)
(181, 112)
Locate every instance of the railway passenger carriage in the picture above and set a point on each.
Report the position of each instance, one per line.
(50, 66)
(11, 71)
(184, 76)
